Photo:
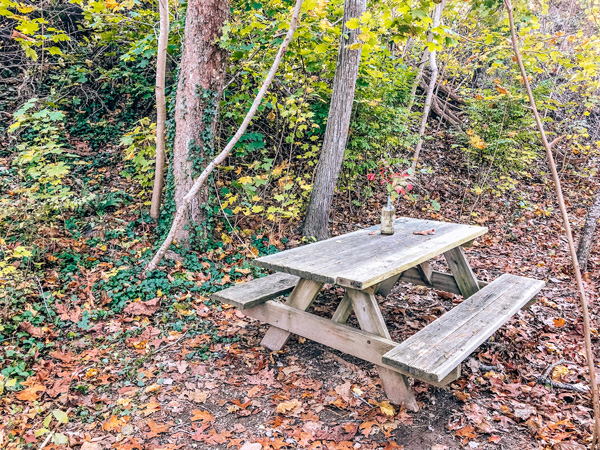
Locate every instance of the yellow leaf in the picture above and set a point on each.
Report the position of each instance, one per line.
(112, 4)
(387, 409)
(245, 180)
(91, 373)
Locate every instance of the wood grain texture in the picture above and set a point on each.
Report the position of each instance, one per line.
(343, 310)
(369, 317)
(301, 298)
(361, 344)
(251, 293)
(364, 258)
(439, 280)
(441, 346)
(463, 274)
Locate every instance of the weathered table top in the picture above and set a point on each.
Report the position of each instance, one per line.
(364, 258)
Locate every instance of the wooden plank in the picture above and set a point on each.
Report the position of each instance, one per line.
(463, 274)
(343, 310)
(439, 348)
(368, 313)
(358, 343)
(301, 298)
(425, 271)
(366, 257)
(259, 290)
(386, 286)
(369, 317)
(439, 280)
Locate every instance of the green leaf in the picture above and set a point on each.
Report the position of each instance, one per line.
(60, 439)
(321, 48)
(28, 27)
(21, 252)
(55, 51)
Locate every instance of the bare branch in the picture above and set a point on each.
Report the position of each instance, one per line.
(180, 213)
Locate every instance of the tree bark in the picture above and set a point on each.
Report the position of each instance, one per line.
(437, 16)
(585, 242)
(316, 223)
(201, 79)
(161, 108)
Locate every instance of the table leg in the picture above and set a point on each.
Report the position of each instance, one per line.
(370, 319)
(301, 298)
(386, 286)
(463, 274)
(343, 310)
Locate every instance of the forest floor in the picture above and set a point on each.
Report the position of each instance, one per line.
(178, 371)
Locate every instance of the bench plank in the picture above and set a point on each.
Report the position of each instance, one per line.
(257, 291)
(441, 346)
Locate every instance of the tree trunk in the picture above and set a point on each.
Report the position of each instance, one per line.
(437, 16)
(201, 180)
(585, 242)
(201, 78)
(161, 108)
(338, 121)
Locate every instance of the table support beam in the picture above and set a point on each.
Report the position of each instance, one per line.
(369, 317)
(358, 343)
(301, 298)
(343, 310)
(463, 274)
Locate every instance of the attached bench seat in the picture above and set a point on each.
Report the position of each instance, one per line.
(251, 293)
(436, 350)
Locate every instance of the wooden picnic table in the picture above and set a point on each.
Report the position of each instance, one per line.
(367, 263)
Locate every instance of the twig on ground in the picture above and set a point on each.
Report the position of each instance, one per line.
(544, 379)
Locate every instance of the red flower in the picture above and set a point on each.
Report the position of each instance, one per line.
(409, 187)
(370, 176)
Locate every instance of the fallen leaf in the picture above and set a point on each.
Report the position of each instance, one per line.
(204, 416)
(157, 428)
(424, 233)
(143, 308)
(285, 407)
(31, 393)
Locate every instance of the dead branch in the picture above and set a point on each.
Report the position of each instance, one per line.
(565, 216)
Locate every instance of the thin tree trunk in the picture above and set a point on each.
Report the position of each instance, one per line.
(161, 108)
(316, 223)
(417, 80)
(201, 79)
(201, 180)
(565, 217)
(587, 235)
(437, 16)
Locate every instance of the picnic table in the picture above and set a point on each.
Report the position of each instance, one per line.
(367, 263)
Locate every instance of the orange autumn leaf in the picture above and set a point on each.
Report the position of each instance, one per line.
(114, 423)
(501, 90)
(559, 322)
(204, 416)
(466, 432)
(366, 428)
(31, 393)
(150, 408)
(157, 428)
